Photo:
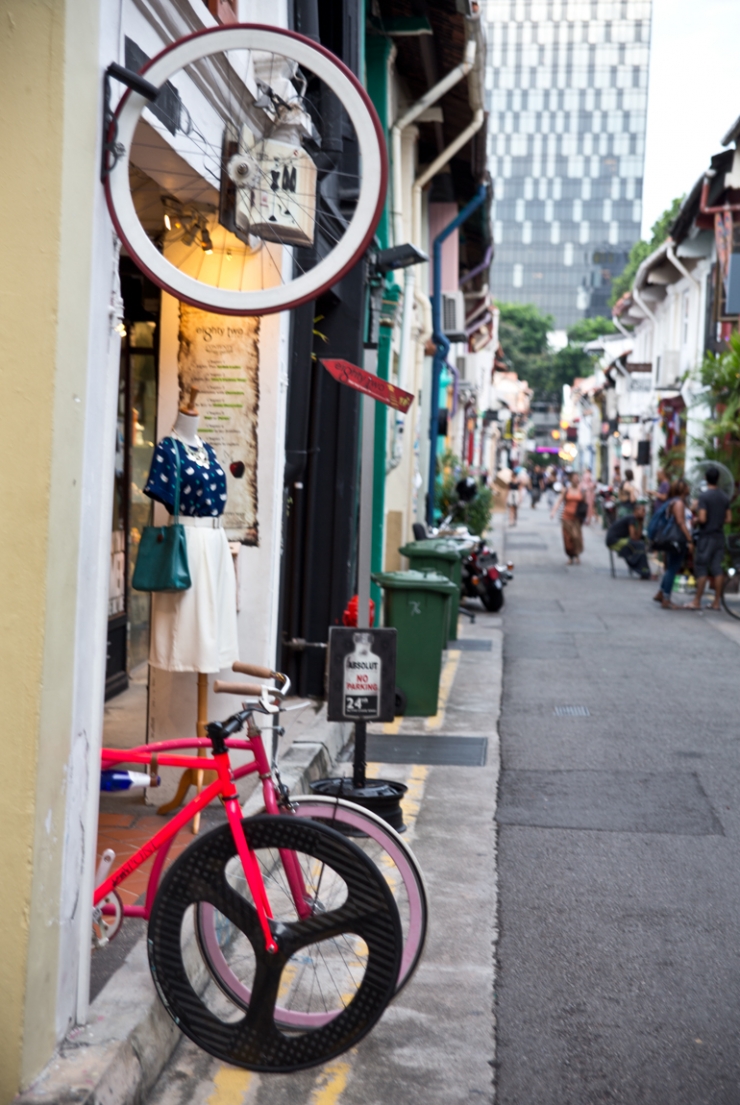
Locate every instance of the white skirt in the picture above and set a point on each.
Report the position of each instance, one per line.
(195, 630)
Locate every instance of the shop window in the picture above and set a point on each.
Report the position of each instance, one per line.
(128, 610)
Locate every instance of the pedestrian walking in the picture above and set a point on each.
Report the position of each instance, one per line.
(628, 493)
(588, 487)
(536, 483)
(675, 553)
(713, 515)
(550, 480)
(574, 512)
(512, 498)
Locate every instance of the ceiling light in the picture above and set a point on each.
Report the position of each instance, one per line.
(205, 241)
(167, 221)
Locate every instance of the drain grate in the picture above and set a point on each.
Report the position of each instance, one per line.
(411, 748)
(572, 711)
(470, 644)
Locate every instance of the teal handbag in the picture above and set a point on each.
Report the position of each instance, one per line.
(162, 561)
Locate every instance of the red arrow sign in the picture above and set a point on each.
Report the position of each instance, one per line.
(369, 384)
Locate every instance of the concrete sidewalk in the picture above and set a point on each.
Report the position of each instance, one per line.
(435, 1044)
(116, 1058)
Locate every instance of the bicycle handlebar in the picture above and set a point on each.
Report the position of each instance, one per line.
(260, 672)
(244, 689)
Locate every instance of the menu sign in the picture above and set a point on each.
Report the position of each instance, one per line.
(220, 356)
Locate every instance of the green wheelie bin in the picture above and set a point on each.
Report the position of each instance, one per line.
(416, 604)
(445, 557)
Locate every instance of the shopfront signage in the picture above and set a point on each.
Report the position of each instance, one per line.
(220, 356)
(369, 384)
(362, 674)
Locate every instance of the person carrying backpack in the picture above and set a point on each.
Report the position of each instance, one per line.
(673, 537)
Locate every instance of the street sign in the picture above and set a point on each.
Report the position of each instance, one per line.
(369, 384)
(362, 674)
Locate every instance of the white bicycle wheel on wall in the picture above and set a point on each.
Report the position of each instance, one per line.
(237, 161)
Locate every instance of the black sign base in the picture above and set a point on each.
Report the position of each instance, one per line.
(380, 796)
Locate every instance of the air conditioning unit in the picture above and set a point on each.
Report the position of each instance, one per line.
(453, 316)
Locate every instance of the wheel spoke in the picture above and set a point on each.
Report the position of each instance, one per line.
(302, 99)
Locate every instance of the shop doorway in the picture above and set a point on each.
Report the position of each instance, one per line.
(128, 610)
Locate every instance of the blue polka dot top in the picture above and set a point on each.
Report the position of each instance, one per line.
(202, 487)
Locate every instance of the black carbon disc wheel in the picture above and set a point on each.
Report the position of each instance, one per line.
(350, 945)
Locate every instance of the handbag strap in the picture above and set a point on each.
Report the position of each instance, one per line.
(176, 502)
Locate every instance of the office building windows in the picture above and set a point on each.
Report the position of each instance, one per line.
(567, 103)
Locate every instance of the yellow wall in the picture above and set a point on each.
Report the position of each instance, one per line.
(48, 128)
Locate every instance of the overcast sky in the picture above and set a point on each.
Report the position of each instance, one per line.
(694, 95)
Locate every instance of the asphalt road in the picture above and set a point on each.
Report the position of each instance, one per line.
(619, 881)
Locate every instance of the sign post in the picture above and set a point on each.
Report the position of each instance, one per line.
(372, 389)
(362, 684)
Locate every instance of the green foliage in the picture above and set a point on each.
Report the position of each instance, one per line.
(642, 249)
(567, 364)
(672, 461)
(589, 329)
(523, 331)
(720, 373)
(476, 515)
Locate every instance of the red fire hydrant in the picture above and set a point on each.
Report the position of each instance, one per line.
(349, 617)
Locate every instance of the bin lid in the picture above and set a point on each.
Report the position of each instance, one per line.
(441, 547)
(415, 581)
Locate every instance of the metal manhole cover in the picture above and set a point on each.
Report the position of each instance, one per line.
(572, 711)
(421, 749)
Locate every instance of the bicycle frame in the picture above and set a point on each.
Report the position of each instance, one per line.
(223, 787)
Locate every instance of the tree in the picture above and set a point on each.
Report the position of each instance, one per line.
(720, 374)
(523, 331)
(642, 249)
(589, 329)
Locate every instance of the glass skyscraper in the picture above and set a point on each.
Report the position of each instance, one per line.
(567, 95)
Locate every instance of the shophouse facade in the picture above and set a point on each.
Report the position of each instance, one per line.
(683, 303)
(102, 387)
(111, 360)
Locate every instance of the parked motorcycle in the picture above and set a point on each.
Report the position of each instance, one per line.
(484, 578)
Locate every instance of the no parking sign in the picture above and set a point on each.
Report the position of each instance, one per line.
(362, 674)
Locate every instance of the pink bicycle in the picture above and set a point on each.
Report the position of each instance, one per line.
(275, 942)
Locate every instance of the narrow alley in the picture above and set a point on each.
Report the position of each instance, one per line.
(618, 824)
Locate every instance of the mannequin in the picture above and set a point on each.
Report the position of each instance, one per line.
(194, 630)
(186, 423)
